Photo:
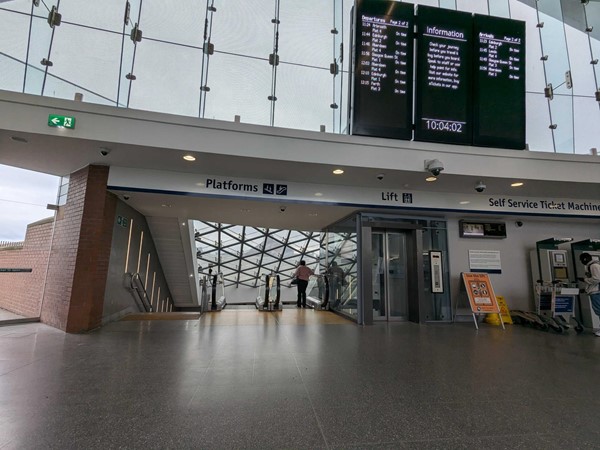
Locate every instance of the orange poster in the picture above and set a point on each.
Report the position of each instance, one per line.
(480, 292)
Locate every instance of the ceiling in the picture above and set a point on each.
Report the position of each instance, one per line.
(59, 155)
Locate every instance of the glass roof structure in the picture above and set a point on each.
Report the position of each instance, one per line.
(245, 254)
(281, 63)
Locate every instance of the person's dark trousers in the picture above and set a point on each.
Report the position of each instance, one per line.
(302, 284)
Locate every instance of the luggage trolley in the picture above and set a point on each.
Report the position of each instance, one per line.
(556, 302)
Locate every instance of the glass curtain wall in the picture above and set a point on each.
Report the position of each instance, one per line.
(281, 63)
(244, 255)
(340, 249)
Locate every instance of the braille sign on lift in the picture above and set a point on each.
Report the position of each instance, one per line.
(55, 120)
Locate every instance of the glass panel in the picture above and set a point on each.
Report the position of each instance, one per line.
(305, 32)
(172, 89)
(17, 5)
(378, 275)
(554, 44)
(336, 55)
(181, 21)
(582, 71)
(127, 58)
(41, 35)
(243, 27)
(499, 8)
(107, 14)
(13, 50)
(340, 247)
(592, 10)
(535, 79)
(77, 58)
(562, 116)
(238, 86)
(55, 87)
(396, 275)
(303, 105)
(539, 136)
(474, 6)
(427, 2)
(448, 4)
(587, 122)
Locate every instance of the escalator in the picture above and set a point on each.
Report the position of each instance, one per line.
(269, 294)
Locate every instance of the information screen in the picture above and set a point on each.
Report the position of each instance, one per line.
(443, 111)
(382, 95)
(499, 80)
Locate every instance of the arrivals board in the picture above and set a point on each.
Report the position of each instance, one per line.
(444, 54)
(383, 69)
(499, 82)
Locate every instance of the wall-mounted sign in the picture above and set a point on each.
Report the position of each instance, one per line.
(474, 229)
(122, 221)
(54, 120)
(178, 183)
(13, 270)
(486, 261)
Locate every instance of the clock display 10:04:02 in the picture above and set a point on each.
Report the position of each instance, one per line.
(444, 125)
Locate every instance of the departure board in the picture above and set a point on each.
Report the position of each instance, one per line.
(499, 82)
(443, 111)
(383, 69)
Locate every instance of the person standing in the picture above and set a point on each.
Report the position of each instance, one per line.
(302, 274)
(592, 282)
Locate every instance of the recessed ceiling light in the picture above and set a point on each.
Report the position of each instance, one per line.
(431, 179)
(517, 184)
(166, 205)
(318, 194)
(244, 210)
(338, 171)
(189, 158)
(19, 139)
(466, 202)
(313, 214)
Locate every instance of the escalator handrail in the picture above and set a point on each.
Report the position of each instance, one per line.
(137, 285)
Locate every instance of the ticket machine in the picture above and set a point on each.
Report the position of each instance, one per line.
(591, 246)
(550, 263)
(555, 291)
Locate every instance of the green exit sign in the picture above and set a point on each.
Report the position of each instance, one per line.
(55, 120)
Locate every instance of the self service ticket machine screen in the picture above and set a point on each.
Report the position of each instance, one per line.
(558, 265)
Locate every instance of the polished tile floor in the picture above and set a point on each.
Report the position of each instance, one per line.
(297, 379)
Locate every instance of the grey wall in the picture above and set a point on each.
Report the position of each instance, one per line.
(118, 299)
(515, 282)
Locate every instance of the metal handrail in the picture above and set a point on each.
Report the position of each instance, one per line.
(137, 286)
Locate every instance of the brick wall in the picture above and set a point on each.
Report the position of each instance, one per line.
(74, 293)
(21, 292)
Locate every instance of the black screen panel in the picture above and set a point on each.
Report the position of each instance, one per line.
(499, 82)
(443, 111)
(383, 70)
